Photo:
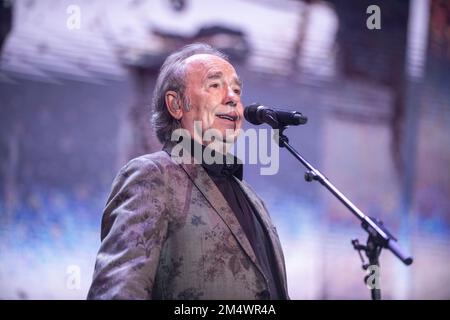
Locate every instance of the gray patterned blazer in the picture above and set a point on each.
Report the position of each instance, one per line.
(168, 233)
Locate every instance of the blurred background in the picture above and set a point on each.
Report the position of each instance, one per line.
(76, 78)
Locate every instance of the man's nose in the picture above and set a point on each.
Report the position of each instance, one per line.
(231, 97)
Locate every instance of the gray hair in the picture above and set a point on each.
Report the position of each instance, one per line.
(172, 78)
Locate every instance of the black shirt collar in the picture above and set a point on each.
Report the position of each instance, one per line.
(227, 167)
(224, 169)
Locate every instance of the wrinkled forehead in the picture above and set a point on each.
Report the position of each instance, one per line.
(201, 65)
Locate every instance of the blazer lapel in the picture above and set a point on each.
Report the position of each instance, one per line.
(267, 224)
(208, 188)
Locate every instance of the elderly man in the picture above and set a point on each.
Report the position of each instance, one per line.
(189, 230)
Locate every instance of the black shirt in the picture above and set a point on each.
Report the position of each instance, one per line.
(224, 176)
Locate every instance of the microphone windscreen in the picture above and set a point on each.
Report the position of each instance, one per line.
(250, 113)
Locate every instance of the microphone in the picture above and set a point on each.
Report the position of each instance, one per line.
(277, 119)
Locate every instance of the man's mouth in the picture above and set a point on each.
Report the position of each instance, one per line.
(232, 116)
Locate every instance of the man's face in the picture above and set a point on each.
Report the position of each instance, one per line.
(213, 94)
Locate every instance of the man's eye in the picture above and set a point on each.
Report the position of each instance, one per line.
(237, 91)
(214, 85)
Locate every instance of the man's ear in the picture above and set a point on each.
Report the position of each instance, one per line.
(173, 104)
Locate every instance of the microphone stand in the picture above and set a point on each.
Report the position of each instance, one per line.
(379, 237)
